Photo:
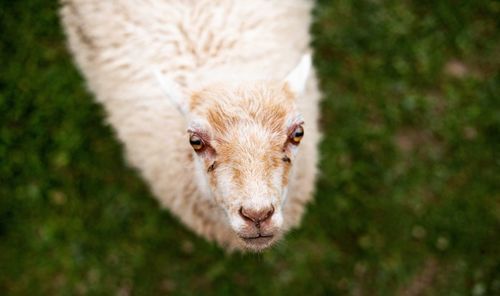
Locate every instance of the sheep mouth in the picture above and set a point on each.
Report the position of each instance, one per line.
(258, 240)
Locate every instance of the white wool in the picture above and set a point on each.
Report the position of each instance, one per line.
(118, 43)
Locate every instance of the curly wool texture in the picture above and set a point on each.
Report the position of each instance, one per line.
(116, 43)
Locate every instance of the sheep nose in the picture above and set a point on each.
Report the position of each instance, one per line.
(257, 216)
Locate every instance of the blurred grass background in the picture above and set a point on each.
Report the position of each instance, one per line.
(408, 202)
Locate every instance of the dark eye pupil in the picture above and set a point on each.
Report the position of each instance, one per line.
(299, 134)
(195, 142)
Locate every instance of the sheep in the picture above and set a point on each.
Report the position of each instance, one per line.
(213, 103)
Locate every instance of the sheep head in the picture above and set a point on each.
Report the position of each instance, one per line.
(245, 138)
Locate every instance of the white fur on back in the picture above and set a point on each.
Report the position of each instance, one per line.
(117, 43)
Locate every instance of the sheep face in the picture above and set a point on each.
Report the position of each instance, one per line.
(245, 139)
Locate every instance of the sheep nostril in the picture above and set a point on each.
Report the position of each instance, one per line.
(242, 214)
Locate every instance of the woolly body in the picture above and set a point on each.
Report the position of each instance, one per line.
(194, 43)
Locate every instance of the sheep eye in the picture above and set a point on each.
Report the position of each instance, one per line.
(297, 135)
(196, 142)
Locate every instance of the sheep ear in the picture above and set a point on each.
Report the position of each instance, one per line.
(297, 79)
(172, 91)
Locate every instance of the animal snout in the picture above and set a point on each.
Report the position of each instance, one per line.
(257, 216)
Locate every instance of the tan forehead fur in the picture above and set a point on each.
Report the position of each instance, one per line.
(265, 103)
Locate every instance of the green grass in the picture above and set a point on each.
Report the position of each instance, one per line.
(408, 199)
